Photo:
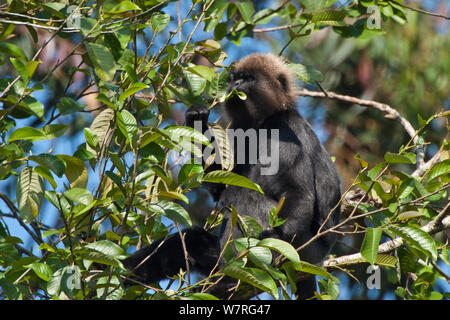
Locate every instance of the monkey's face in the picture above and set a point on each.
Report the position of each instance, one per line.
(265, 96)
(269, 87)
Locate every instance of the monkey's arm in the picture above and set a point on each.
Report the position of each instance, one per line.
(165, 257)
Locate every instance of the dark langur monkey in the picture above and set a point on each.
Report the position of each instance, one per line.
(306, 178)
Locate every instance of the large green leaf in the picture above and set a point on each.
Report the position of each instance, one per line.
(439, 169)
(172, 211)
(102, 59)
(416, 237)
(108, 248)
(305, 73)
(128, 125)
(225, 150)
(390, 157)
(67, 105)
(29, 193)
(28, 133)
(314, 5)
(76, 171)
(42, 270)
(179, 133)
(196, 83)
(312, 269)
(369, 247)
(282, 247)
(256, 277)
(246, 9)
(100, 126)
(79, 195)
(203, 71)
(159, 21)
(135, 87)
(231, 178)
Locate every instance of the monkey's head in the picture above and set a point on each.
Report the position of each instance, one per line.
(269, 86)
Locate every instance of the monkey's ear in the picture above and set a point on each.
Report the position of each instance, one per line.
(283, 81)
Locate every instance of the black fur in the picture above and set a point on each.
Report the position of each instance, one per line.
(306, 177)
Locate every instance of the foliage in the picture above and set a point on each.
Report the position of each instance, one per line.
(120, 187)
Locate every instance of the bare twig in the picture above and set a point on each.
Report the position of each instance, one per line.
(390, 112)
(186, 254)
(420, 10)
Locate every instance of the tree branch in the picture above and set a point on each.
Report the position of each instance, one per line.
(439, 223)
(390, 112)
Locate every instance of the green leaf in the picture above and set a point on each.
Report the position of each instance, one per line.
(135, 87)
(53, 131)
(330, 17)
(76, 171)
(409, 215)
(128, 125)
(99, 257)
(12, 50)
(313, 269)
(202, 296)
(20, 68)
(203, 71)
(55, 8)
(58, 201)
(67, 105)
(386, 260)
(79, 195)
(42, 270)
(100, 127)
(397, 158)
(172, 211)
(223, 142)
(439, 169)
(255, 277)
(91, 137)
(112, 286)
(102, 60)
(26, 133)
(314, 5)
(178, 133)
(46, 174)
(51, 162)
(196, 83)
(305, 73)
(29, 194)
(369, 247)
(231, 178)
(249, 226)
(281, 247)
(416, 237)
(188, 172)
(54, 285)
(124, 6)
(159, 22)
(107, 248)
(406, 187)
(246, 9)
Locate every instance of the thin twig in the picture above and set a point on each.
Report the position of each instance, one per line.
(420, 10)
(390, 112)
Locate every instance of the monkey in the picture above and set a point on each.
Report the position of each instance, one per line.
(306, 178)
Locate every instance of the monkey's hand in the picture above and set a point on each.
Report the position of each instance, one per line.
(197, 113)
